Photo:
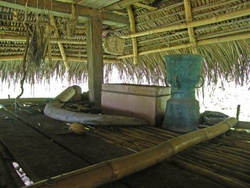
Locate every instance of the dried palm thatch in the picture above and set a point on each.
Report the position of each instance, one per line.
(217, 29)
(113, 45)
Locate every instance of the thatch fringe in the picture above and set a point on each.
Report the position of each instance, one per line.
(10, 72)
(220, 64)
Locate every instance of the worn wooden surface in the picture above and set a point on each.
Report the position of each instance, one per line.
(43, 149)
(95, 62)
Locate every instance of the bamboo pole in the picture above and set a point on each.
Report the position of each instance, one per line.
(132, 29)
(206, 21)
(112, 170)
(21, 38)
(121, 4)
(188, 13)
(150, 8)
(158, 50)
(199, 43)
(63, 54)
(55, 58)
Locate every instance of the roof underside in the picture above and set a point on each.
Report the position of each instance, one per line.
(217, 29)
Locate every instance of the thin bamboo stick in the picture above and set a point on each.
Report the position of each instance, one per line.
(227, 181)
(157, 138)
(215, 19)
(118, 141)
(223, 158)
(230, 153)
(214, 161)
(238, 151)
(215, 167)
(111, 170)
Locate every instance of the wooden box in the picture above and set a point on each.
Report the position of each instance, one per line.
(141, 101)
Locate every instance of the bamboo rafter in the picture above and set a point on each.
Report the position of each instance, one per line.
(150, 8)
(199, 43)
(63, 54)
(132, 29)
(55, 58)
(121, 4)
(21, 38)
(188, 13)
(206, 21)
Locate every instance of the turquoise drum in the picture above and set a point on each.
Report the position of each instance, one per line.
(182, 109)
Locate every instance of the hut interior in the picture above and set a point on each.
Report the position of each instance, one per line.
(112, 135)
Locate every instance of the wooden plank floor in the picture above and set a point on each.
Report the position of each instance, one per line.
(34, 141)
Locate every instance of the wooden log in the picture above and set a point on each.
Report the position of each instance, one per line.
(112, 170)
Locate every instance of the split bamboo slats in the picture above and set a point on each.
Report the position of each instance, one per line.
(218, 30)
(149, 152)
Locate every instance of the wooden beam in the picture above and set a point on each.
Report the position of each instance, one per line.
(132, 29)
(189, 45)
(95, 62)
(188, 13)
(206, 21)
(121, 5)
(150, 8)
(64, 10)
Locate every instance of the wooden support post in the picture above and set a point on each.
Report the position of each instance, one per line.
(95, 62)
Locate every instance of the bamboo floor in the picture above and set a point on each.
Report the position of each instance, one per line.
(43, 150)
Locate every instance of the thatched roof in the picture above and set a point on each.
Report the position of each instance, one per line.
(217, 29)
